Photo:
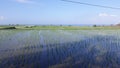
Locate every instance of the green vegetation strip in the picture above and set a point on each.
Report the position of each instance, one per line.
(59, 27)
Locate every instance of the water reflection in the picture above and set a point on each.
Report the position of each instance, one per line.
(96, 52)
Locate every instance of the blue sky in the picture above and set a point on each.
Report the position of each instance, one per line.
(58, 12)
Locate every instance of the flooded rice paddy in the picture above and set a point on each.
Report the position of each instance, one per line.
(59, 48)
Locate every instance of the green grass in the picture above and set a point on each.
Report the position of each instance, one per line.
(62, 27)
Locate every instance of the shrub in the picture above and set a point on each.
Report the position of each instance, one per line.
(9, 28)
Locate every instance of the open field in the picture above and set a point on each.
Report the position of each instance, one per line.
(59, 48)
(60, 27)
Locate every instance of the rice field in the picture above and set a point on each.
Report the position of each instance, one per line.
(59, 48)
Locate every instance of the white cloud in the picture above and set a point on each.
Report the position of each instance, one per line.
(103, 14)
(106, 15)
(2, 17)
(104, 18)
(113, 15)
(25, 1)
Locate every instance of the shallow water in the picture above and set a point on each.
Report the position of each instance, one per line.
(60, 49)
